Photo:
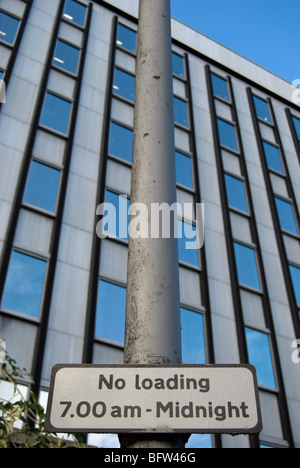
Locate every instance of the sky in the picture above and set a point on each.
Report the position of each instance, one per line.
(264, 31)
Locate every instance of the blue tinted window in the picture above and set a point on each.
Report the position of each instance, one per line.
(246, 266)
(1, 74)
(24, 284)
(111, 308)
(116, 215)
(262, 109)
(126, 38)
(295, 273)
(220, 87)
(227, 135)
(236, 193)
(124, 85)
(178, 65)
(286, 216)
(42, 186)
(75, 12)
(199, 441)
(120, 142)
(8, 28)
(184, 174)
(192, 336)
(66, 57)
(180, 112)
(187, 238)
(56, 113)
(297, 126)
(273, 157)
(259, 353)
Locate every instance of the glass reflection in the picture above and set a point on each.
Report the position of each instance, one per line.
(111, 307)
(24, 284)
(246, 266)
(259, 352)
(42, 186)
(192, 335)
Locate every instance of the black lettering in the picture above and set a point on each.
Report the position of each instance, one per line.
(172, 383)
(130, 410)
(187, 411)
(220, 412)
(99, 409)
(232, 409)
(116, 412)
(244, 408)
(201, 409)
(109, 384)
(164, 408)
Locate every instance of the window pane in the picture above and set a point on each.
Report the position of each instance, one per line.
(262, 109)
(178, 65)
(260, 356)
(246, 266)
(273, 157)
(187, 238)
(111, 308)
(180, 112)
(227, 135)
(236, 193)
(120, 142)
(1, 74)
(116, 215)
(124, 85)
(192, 335)
(66, 57)
(75, 12)
(42, 186)
(203, 441)
(8, 28)
(286, 216)
(297, 126)
(24, 284)
(126, 38)
(220, 87)
(56, 113)
(295, 273)
(184, 174)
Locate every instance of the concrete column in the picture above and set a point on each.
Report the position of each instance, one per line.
(153, 305)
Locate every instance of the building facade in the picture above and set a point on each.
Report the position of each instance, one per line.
(66, 130)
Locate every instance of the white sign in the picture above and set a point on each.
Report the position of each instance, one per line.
(192, 399)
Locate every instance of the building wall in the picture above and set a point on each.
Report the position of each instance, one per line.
(80, 270)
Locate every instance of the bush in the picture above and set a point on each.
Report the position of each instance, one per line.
(29, 414)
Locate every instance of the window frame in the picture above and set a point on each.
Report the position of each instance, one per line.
(186, 102)
(67, 19)
(274, 145)
(234, 126)
(243, 285)
(216, 96)
(243, 182)
(290, 203)
(267, 333)
(115, 87)
(17, 313)
(118, 43)
(202, 315)
(103, 339)
(50, 129)
(261, 119)
(11, 15)
(36, 207)
(60, 68)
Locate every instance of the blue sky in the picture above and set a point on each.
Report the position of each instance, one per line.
(264, 31)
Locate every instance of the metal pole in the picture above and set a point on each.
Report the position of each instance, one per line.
(153, 305)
